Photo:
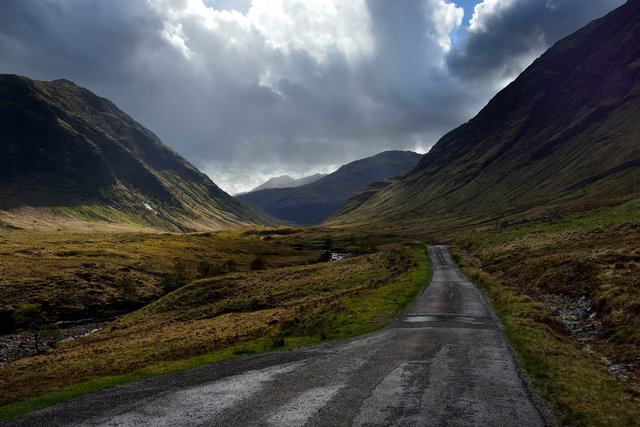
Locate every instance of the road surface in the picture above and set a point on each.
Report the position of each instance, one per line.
(445, 362)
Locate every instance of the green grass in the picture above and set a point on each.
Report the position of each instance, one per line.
(261, 345)
(97, 213)
(595, 254)
(215, 319)
(575, 382)
(595, 221)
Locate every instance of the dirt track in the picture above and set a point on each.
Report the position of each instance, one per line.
(446, 361)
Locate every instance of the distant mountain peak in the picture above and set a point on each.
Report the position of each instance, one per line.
(313, 202)
(285, 181)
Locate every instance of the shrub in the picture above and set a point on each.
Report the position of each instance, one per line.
(277, 341)
(231, 265)
(31, 319)
(176, 279)
(325, 256)
(51, 334)
(328, 243)
(258, 264)
(128, 289)
(366, 246)
(205, 269)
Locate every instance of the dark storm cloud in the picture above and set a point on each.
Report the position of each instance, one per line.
(286, 85)
(508, 35)
(92, 39)
(403, 75)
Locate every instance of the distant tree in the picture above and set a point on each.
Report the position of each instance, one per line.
(32, 319)
(206, 269)
(51, 334)
(258, 264)
(325, 256)
(231, 265)
(176, 279)
(128, 289)
(367, 246)
(328, 243)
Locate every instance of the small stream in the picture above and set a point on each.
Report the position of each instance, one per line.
(337, 256)
(17, 346)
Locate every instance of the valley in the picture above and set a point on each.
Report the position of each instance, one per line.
(299, 298)
(77, 275)
(313, 203)
(436, 371)
(493, 280)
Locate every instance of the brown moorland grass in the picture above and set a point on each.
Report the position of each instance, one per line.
(77, 274)
(256, 311)
(595, 254)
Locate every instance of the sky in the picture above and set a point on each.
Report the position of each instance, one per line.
(251, 89)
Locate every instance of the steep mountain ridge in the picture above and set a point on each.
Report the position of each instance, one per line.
(64, 149)
(313, 203)
(565, 133)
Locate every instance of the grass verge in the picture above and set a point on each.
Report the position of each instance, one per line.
(573, 381)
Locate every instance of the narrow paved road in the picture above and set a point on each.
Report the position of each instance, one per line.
(445, 362)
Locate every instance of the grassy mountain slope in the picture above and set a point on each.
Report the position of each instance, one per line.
(285, 181)
(564, 133)
(313, 203)
(70, 153)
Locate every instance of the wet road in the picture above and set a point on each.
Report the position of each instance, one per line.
(445, 362)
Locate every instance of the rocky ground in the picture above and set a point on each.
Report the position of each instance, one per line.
(17, 346)
(577, 314)
(582, 321)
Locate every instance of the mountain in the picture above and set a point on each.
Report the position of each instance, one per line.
(66, 154)
(282, 181)
(285, 181)
(565, 134)
(313, 203)
(307, 179)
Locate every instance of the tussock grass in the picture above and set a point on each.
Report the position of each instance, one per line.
(217, 318)
(590, 254)
(594, 254)
(76, 275)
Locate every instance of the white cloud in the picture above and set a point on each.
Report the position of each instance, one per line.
(486, 11)
(301, 80)
(442, 20)
(175, 36)
(319, 27)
